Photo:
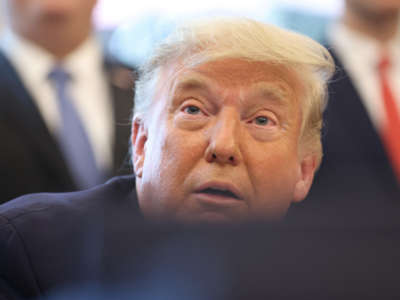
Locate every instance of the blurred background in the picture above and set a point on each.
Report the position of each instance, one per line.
(130, 28)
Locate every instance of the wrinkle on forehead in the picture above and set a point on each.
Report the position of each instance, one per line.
(243, 72)
(269, 81)
(233, 71)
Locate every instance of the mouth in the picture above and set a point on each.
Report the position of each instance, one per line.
(219, 192)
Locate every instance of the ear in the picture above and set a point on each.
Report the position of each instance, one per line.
(139, 139)
(307, 170)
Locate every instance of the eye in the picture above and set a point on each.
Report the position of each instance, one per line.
(262, 121)
(192, 110)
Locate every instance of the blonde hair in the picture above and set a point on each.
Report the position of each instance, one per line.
(221, 38)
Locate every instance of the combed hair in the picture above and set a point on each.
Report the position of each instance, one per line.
(223, 38)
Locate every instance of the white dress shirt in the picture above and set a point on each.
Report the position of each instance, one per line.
(89, 88)
(360, 56)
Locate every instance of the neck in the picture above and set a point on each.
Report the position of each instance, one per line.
(58, 43)
(382, 27)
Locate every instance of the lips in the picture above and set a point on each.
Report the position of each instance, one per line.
(219, 190)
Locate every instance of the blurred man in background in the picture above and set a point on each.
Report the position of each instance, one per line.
(361, 168)
(63, 120)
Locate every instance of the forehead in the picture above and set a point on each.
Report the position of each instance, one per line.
(233, 74)
(242, 72)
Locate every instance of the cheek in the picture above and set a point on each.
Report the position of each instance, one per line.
(171, 155)
(181, 150)
(273, 172)
(167, 173)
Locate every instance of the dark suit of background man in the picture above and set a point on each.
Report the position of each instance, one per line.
(45, 42)
(359, 171)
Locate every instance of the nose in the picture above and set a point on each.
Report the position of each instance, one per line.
(223, 147)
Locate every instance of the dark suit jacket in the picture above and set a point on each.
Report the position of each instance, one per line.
(48, 241)
(355, 173)
(30, 158)
(95, 244)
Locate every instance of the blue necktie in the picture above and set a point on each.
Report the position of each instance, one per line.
(72, 136)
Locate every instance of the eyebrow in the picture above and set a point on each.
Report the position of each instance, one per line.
(272, 91)
(193, 83)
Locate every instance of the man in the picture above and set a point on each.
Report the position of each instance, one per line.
(363, 115)
(63, 118)
(226, 129)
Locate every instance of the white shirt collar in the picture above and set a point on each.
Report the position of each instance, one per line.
(360, 48)
(360, 56)
(86, 58)
(37, 62)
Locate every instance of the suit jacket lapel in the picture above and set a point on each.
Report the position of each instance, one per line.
(19, 105)
(352, 136)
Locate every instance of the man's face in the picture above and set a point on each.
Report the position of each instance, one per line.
(30, 17)
(222, 144)
(375, 7)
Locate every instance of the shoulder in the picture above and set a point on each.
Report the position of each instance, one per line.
(5, 65)
(117, 191)
(40, 231)
(3, 59)
(11, 85)
(8, 74)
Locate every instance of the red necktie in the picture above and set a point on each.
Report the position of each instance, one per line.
(391, 128)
